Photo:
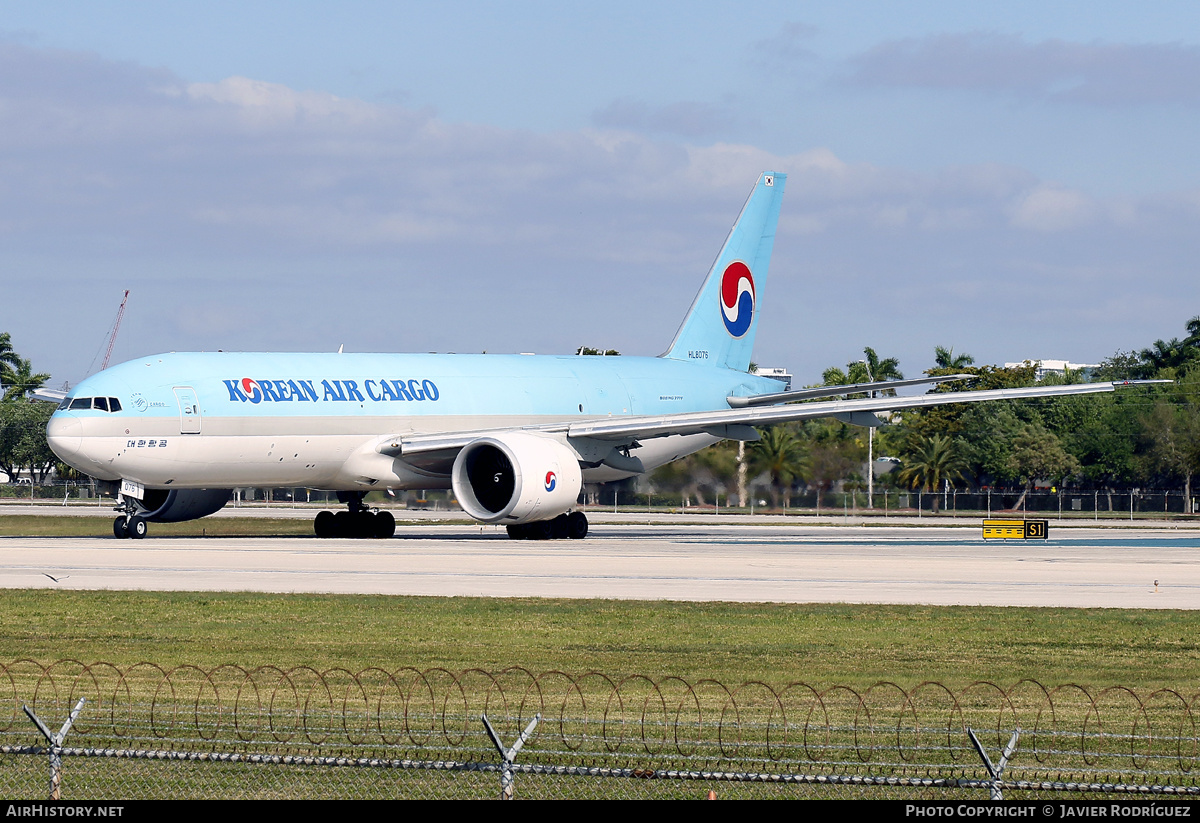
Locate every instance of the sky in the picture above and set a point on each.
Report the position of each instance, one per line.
(1013, 180)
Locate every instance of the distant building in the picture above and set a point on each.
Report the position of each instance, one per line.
(1045, 367)
(782, 375)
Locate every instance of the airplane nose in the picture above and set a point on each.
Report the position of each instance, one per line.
(64, 433)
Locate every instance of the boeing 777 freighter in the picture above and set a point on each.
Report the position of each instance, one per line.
(515, 436)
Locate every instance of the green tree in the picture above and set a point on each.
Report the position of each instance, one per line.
(782, 457)
(946, 362)
(961, 419)
(21, 381)
(931, 461)
(1174, 354)
(1171, 431)
(1038, 454)
(709, 470)
(23, 438)
(1121, 365)
(870, 369)
(8, 358)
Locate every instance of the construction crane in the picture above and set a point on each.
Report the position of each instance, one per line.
(112, 337)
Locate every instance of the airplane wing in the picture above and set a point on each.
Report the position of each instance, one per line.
(712, 422)
(49, 395)
(734, 424)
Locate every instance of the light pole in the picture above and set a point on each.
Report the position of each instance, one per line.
(870, 447)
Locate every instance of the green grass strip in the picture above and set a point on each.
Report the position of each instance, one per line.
(731, 642)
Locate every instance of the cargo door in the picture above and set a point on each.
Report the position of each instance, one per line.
(189, 410)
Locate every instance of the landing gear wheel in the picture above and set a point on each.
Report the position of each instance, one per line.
(385, 525)
(517, 531)
(324, 525)
(541, 530)
(137, 527)
(577, 525)
(362, 525)
(120, 528)
(559, 528)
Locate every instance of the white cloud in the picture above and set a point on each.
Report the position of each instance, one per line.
(1051, 209)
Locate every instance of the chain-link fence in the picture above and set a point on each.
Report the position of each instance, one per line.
(1066, 504)
(148, 732)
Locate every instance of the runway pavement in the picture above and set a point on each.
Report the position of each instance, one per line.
(1080, 567)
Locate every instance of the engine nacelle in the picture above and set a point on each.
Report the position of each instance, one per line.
(516, 477)
(177, 505)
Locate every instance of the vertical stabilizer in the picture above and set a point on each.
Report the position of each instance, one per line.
(720, 325)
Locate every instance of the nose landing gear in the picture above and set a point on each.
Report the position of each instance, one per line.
(129, 524)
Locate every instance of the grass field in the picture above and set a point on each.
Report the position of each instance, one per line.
(731, 642)
(22, 525)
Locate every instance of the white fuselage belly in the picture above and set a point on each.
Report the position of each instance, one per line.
(316, 452)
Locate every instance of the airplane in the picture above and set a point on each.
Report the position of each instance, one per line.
(514, 436)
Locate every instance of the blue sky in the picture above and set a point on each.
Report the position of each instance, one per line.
(1013, 179)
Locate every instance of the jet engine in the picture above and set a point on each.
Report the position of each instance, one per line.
(177, 505)
(516, 477)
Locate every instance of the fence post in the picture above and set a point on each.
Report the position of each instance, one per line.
(508, 756)
(997, 772)
(56, 741)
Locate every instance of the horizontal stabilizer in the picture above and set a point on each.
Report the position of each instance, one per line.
(49, 395)
(833, 391)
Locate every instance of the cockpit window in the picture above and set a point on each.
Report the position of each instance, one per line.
(104, 404)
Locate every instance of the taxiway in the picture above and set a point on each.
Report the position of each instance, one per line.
(1077, 567)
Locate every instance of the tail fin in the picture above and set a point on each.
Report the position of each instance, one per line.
(719, 327)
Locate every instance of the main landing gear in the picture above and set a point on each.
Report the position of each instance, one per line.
(359, 521)
(573, 525)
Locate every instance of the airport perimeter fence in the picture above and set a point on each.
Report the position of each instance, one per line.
(1066, 504)
(144, 731)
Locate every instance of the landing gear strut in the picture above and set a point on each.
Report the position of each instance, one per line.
(573, 525)
(129, 523)
(358, 521)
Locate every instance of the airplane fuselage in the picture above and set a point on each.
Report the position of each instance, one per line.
(203, 420)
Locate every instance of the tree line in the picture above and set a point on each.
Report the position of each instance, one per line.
(1147, 438)
(23, 448)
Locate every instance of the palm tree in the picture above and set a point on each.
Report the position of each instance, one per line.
(945, 359)
(877, 369)
(930, 462)
(9, 360)
(21, 380)
(869, 370)
(1193, 330)
(1163, 354)
(780, 455)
